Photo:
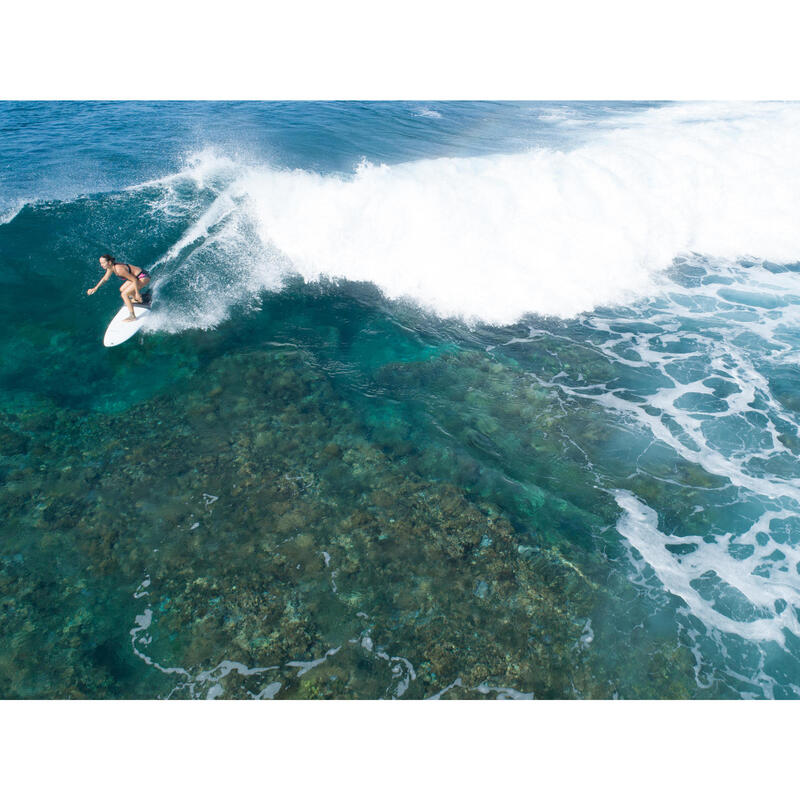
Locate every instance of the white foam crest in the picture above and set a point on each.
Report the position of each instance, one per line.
(547, 231)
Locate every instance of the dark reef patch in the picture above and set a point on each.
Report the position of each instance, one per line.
(257, 536)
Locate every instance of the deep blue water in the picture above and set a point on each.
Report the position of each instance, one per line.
(437, 400)
(57, 150)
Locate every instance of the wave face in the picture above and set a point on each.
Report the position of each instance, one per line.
(548, 231)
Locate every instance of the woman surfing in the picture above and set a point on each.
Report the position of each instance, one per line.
(134, 279)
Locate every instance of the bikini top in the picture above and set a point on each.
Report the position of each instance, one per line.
(120, 264)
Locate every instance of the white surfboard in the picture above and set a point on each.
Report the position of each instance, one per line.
(119, 330)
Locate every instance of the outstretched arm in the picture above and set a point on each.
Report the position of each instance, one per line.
(100, 282)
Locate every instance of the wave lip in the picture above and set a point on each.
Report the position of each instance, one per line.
(205, 167)
(8, 213)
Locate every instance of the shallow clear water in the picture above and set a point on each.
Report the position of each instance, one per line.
(438, 400)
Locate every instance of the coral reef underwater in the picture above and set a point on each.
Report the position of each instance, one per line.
(249, 531)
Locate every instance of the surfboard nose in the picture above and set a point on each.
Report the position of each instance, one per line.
(121, 329)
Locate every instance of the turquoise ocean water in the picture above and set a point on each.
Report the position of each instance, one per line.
(437, 400)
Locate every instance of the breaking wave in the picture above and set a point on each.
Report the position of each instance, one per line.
(547, 231)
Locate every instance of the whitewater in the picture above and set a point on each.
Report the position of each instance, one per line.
(549, 231)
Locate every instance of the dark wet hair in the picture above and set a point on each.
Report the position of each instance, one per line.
(107, 257)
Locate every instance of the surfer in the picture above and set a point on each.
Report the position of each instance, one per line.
(133, 280)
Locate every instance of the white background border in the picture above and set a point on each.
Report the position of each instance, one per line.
(415, 49)
(613, 49)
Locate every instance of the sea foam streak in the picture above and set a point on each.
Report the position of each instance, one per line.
(716, 355)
